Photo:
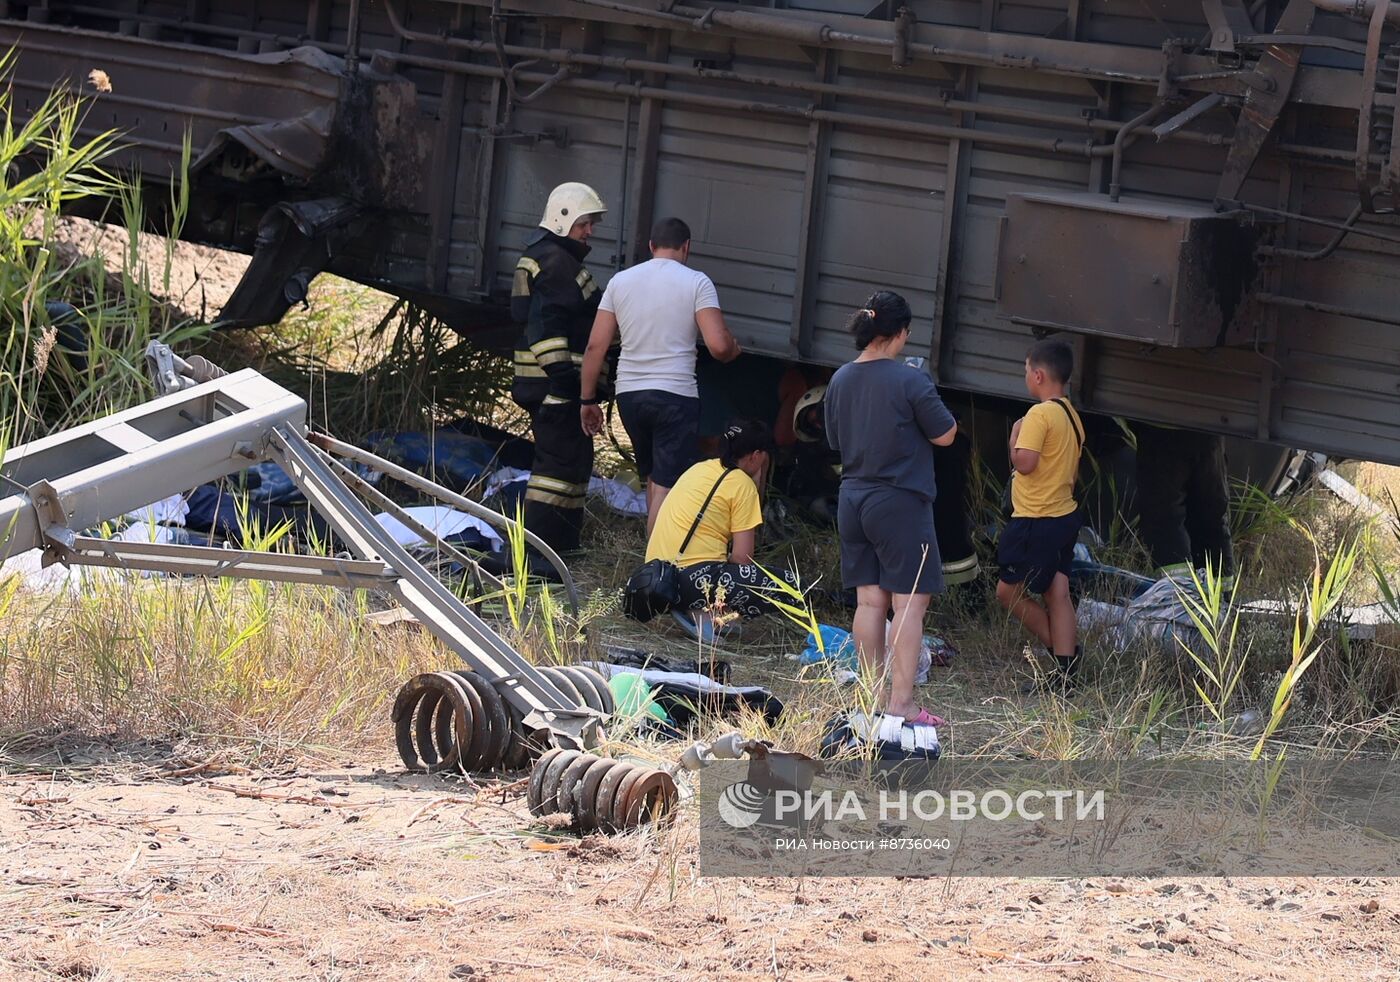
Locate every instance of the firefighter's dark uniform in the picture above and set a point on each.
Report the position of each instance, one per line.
(1183, 492)
(555, 297)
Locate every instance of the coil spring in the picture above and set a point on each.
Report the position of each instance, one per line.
(459, 721)
(602, 795)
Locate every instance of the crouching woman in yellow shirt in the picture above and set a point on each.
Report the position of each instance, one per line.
(717, 570)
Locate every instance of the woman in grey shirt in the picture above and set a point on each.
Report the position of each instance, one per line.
(884, 418)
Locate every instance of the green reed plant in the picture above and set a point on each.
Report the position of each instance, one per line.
(1211, 605)
(1317, 601)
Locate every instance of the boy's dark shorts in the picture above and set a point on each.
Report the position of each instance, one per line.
(888, 540)
(664, 429)
(1033, 550)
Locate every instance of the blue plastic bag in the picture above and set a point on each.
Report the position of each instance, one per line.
(838, 644)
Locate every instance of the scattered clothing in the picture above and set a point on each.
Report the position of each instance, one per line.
(447, 523)
(215, 509)
(266, 483)
(507, 486)
(168, 511)
(455, 460)
(510, 450)
(618, 496)
(640, 658)
(1156, 618)
(1103, 582)
(686, 694)
(885, 737)
(838, 649)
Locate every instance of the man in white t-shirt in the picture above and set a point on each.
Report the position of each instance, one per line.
(659, 307)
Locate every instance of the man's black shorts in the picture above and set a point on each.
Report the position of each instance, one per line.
(664, 429)
(1033, 550)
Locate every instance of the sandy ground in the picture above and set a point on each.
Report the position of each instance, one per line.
(202, 278)
(114, 867)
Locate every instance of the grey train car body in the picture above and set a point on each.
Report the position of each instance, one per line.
(1222, 262)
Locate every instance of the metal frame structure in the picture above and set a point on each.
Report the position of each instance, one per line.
(215, 424)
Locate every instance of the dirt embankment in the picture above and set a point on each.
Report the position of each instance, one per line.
(201, 278)
(166, 869)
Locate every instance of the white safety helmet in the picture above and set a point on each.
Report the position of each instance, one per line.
(567, 204)
(812, 397)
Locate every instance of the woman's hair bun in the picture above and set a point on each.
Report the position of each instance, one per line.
(884, 315)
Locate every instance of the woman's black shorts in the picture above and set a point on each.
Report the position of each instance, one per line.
(887, 540)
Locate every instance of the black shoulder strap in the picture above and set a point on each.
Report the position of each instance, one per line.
(701, 514)
(1078, 436)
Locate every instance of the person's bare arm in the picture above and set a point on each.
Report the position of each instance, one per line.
(946, 439)
(1022, 461)
(1025, 461)
(600, 339)
(718, 341)
(742, 550)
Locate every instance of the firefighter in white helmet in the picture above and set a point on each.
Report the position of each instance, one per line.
(555, 298)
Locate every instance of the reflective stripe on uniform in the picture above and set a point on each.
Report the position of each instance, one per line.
(555, 400)
(525, 272)
(551, 351)
(1175, 569)
(961, 570)
(527, 367)
(557, 484)
(584, 279)
(556, 492)
(552, 499)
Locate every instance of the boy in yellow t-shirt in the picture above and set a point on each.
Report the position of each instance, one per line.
(1037, 545)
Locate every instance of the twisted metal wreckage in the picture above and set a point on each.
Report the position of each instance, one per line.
(501, 713)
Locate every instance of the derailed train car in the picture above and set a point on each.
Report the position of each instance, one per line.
(1198, 191)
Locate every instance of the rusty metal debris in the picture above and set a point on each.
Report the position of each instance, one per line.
(601, 794)
(458, 721)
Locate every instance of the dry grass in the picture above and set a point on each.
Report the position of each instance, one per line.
(279, 668)
(290, 666)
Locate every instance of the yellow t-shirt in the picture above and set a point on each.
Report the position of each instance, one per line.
(734, 508)
(1047, 491)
